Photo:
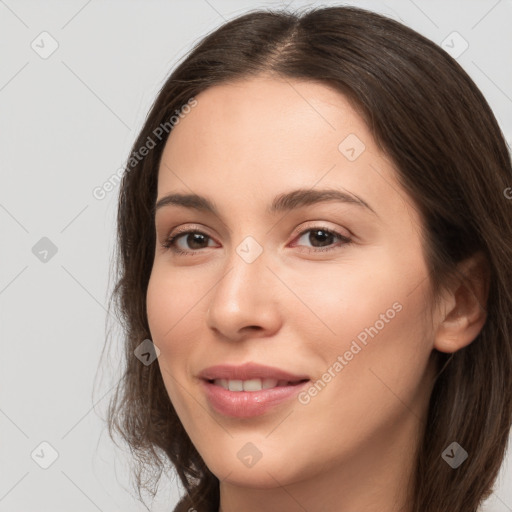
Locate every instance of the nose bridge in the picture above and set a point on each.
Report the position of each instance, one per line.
(243, 296)
(245, 274)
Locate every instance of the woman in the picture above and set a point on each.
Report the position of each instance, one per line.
(314, 233)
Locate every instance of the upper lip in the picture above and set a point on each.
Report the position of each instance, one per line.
(248, 371)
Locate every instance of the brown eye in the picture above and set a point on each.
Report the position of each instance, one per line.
(321, 238)
(192, 240)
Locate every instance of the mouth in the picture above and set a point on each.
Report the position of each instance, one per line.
(248, 399)
(253, 385)
(250, 389)
(250, 373)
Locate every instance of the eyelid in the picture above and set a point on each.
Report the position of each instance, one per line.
(320, 224)
(186, 228)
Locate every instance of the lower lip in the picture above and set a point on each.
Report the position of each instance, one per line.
(246, 404)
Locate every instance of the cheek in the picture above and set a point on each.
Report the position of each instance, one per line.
(176, 304)
(366, 391)
(174, 327)
(373, 316)
(338, 302)
(173, 303)
(379, 358)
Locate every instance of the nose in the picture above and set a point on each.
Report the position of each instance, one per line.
(244, 302)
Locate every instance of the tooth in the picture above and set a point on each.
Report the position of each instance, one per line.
(223, 383)
(252, 385)
(269, 383)
(236, 385)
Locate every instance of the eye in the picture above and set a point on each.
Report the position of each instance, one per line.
(322, 238)
(196, 239)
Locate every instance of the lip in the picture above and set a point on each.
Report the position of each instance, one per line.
(247, 404)
(248, 371)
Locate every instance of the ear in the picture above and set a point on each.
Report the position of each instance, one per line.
(464, 306)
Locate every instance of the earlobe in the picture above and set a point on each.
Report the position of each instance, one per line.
(465, 306)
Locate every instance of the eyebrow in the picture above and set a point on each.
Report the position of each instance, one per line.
(283, 202)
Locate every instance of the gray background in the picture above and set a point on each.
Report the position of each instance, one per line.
(67, 123)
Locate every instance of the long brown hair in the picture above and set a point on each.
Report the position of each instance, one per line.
(431, 120)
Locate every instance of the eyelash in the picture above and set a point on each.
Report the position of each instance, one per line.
(169, 243)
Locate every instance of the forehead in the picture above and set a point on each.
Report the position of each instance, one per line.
(262, 136)
(283, 112)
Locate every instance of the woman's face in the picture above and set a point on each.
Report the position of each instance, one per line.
(269, 278)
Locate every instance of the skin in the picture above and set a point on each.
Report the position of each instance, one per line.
(352, 446)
